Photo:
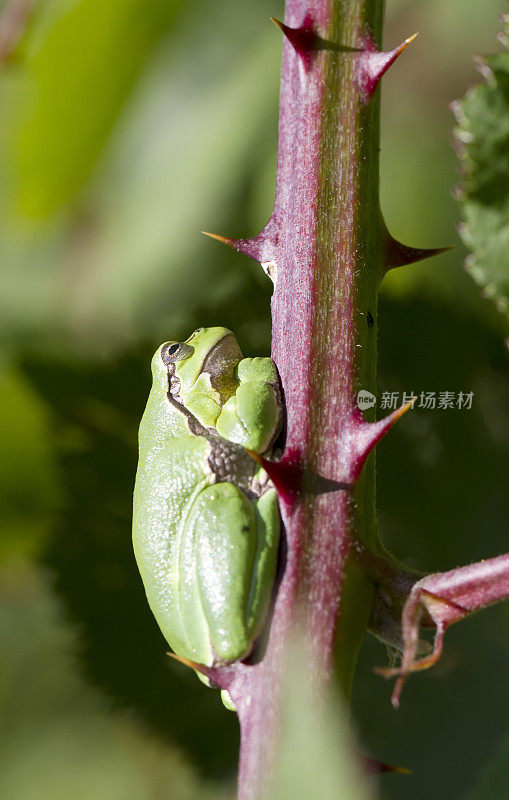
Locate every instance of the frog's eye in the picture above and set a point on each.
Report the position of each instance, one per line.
(175, 351)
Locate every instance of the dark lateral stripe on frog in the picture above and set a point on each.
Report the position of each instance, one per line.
(225, 457)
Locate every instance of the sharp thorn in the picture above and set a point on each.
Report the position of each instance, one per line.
(392, 418)
(257, 457)
(376, 63)
(400, 255)
(286, 475)
(404, 45)
(188, 663)
(280, 25)
(306, 41)
(303, 39)
(373, 766)
(219, 238)
(395, 768)
(254, 248)
(220, 676)
(366, 435)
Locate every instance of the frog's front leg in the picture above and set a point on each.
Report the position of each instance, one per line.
(252, 416)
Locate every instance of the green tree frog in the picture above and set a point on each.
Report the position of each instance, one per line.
(206, 519)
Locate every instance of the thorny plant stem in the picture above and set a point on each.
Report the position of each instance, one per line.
(324, 247)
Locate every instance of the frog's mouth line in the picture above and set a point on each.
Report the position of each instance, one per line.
(223, 452)
(173, 384)
(175, 400)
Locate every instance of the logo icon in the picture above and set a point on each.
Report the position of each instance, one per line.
(365, 399)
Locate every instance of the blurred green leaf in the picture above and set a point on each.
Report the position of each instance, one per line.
(29, 489)
(80, 68)
(59, 739)
(130, 258)
(483, 145)
(418, 165)
(169, 178)
(315, 758)
(494, 780)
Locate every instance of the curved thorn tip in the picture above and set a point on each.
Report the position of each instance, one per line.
(256, 456)
(188, 663)
(278, 23)
(405, 44)
(376, 63)
(223, 239)
(403, 409)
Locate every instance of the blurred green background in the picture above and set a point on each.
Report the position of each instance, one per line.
(127, 127)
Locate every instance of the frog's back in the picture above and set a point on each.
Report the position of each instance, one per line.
(172, 469)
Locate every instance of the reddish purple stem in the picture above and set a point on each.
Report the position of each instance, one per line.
(446, 597)
(313, 258)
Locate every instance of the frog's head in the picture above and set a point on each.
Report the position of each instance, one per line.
(199, 371)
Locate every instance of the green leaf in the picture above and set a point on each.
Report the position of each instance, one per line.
(483, 146)
(30, 489)
(79, 70)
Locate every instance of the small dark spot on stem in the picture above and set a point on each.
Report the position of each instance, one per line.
(370, 320)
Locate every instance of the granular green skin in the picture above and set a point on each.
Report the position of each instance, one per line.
(206, 519)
